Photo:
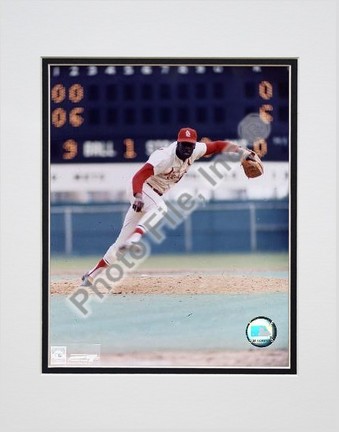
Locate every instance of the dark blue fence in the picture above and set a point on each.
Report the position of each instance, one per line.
(221, 226)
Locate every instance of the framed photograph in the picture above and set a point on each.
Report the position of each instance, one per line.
(169, 215)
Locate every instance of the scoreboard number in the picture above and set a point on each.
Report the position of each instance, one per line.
(70, 148)
(260, 147)
(129, 153)
(122, 113)
(59, 115)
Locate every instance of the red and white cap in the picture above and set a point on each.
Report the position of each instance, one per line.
(187, 135)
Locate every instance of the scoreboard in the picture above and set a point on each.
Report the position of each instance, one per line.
(108, 112)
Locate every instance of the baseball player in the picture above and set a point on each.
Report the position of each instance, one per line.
(164, 168)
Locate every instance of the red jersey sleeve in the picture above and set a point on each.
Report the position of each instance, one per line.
(220, 146)
(141, 176)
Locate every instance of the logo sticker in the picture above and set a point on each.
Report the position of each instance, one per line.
(261, 331)
(58, 355)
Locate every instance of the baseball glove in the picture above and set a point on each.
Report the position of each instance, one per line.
(252, 165)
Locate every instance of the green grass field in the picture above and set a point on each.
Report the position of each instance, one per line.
(165, 322)
(264, 261)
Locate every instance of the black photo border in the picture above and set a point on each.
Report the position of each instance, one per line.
(293, 63)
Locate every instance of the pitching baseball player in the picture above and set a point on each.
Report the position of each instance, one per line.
(164, 168)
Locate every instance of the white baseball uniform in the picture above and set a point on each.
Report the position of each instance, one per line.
(168, 170)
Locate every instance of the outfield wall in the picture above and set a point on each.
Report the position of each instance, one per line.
(217, 227)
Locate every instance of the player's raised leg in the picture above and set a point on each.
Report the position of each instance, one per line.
(153, 211)
(135, 225)
(128, 228)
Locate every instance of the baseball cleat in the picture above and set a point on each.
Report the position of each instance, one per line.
(87, 281)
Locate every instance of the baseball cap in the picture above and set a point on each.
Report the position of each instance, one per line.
(187, 135)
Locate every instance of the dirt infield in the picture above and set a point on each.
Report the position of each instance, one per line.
(160, 331)
(180, 283)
